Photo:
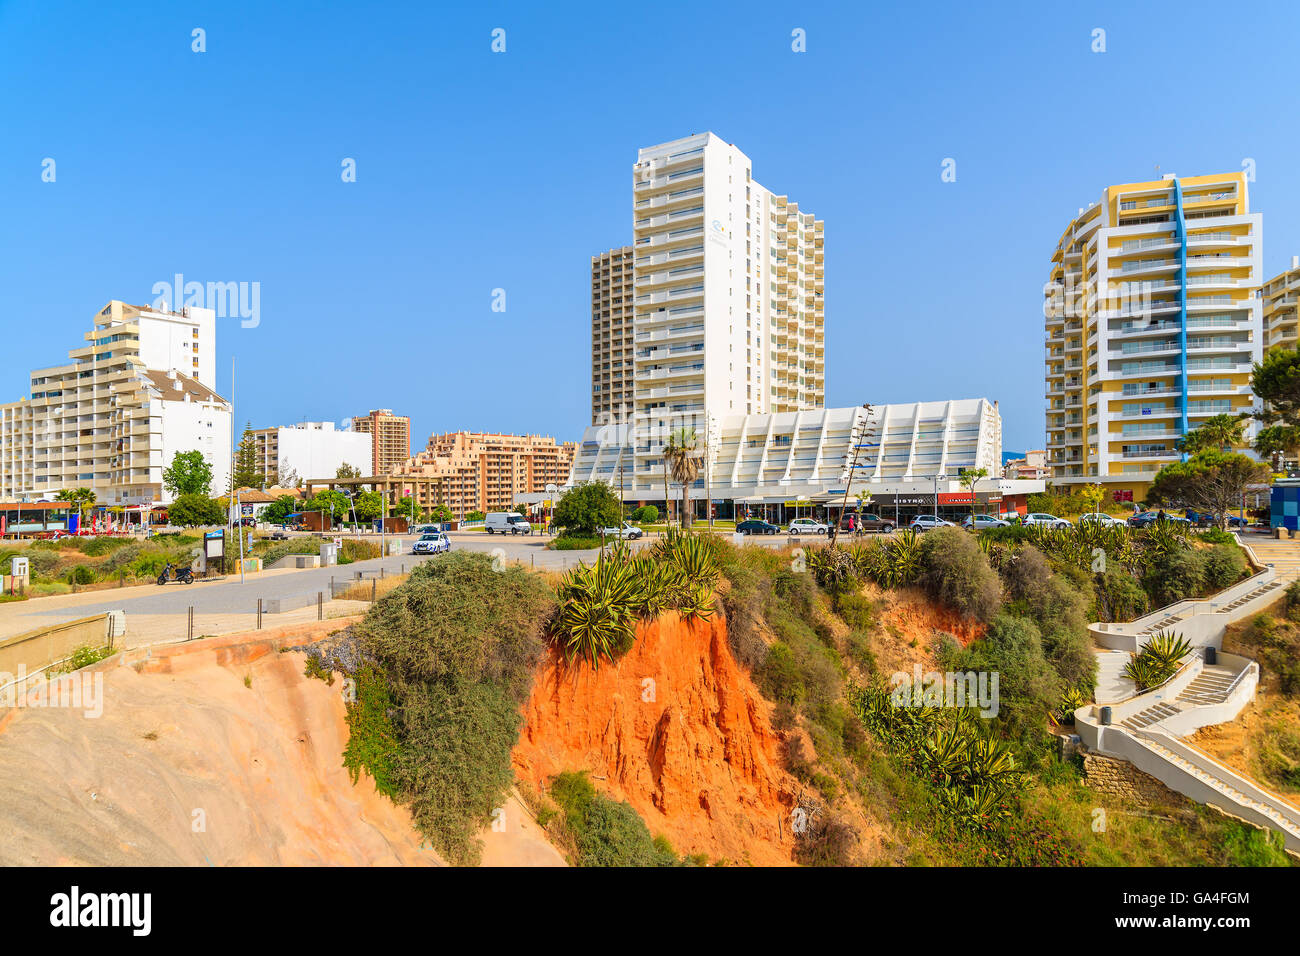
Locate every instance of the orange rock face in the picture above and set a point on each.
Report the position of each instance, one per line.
(676, 729)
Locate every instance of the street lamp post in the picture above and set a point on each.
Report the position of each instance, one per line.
(937, 479)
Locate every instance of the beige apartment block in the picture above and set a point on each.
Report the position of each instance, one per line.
(1153, 321)
(112, 418)
(472, 471)
(1282, 308)
(390, 439)
(612, 291)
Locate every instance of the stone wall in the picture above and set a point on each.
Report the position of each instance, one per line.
(1121, 779)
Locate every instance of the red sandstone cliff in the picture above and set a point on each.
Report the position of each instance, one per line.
(676, 729)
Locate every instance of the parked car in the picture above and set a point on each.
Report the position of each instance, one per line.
(506, 522)
(1045, 520)
(1144, 519)
(431, 543)
(980, 522)
(866, 523)
(926, 522)
(808, 526)
(756, 526)
(626, 530)
(1101, 518)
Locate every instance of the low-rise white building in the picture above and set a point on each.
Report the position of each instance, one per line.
(310, 450)
(897, 454)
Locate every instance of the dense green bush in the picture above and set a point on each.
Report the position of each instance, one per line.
(1225, 565)
(80, 574)
(1119, 596)
(857, 611)
(1175, 576)
(456, 645)
(190, 511)
(646, 514)
(604, 832)
(958, 575)
(584, 510)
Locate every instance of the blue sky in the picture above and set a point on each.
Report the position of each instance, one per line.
(478, 171)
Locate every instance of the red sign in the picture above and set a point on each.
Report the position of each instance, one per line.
(1122, 495)
(956, 498)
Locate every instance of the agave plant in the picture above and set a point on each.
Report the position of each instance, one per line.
(832, 566)
(1167, 648)
(1071, 701)
(597, 616)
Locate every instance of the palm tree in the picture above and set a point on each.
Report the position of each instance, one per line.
(969, 478)
(83, 498)
(681, 459)
(1222, 432)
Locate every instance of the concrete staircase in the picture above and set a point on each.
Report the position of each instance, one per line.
(1241, 798)
(1260, 592)
(1210, 686)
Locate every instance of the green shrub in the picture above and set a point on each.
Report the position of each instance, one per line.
(1175, 576)
(1217, 536)
(958, 575)
(604, 832)
(1120, 598)
(1225, 565)
(646, 514)
(568, 542)
(779, 678)
(857, 611)
(80, 574)
(456, 645)
(585, 509)
(1292, 600)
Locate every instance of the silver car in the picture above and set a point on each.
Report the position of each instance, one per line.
(926, 522)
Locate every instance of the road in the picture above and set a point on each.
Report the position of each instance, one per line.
(161, 613)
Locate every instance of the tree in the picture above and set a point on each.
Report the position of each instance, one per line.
(680, 455)
(191, 510)
(586, 509)
(278, 511)
(1216, 433)
(1092, 494)
(347, 471)
(1276, 380)
(246, 473)
(83, 498)
(323, 500)
(189, 474)
(969, 479)
(1277, 442)
(441, 514)
(1210, 481)
(368, 506)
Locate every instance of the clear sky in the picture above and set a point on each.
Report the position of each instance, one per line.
(478, 171)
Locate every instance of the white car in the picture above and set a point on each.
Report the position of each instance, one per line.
(808, 526)
(1101, 518)
(926, 522)
(431, 543)
(1046, 520)
(626, 530)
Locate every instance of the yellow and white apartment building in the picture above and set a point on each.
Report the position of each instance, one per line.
(140, 389)
(1282, 309)
(1153, 318)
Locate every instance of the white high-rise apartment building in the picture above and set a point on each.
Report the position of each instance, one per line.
(729, 277)
(111, 419)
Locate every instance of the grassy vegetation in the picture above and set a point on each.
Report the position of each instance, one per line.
(597, 831)
(958, 789)
(448, 659)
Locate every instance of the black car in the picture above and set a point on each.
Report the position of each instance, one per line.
(755, 526)
(1144, 519)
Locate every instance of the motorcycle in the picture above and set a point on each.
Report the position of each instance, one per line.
(182, 574)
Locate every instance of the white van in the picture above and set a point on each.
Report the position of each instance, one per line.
(506, 522)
